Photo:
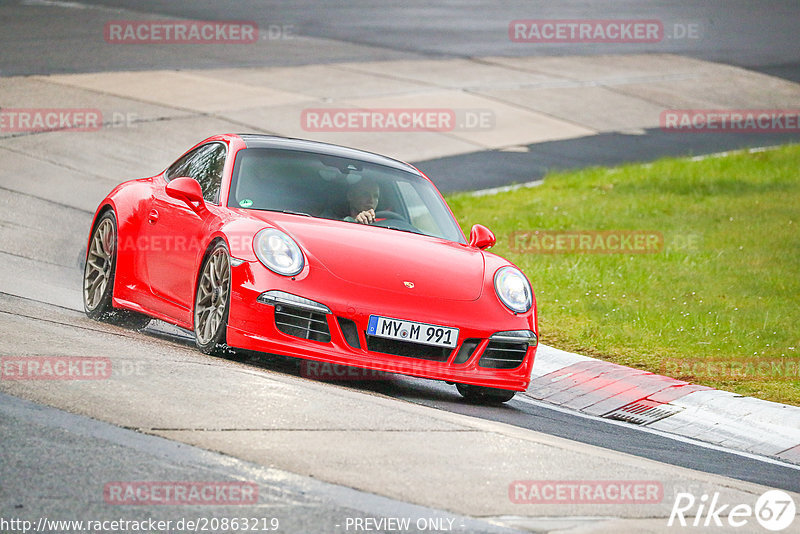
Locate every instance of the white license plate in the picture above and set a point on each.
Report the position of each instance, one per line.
(427, 334)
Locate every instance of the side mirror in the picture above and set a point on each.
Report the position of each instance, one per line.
(186, 189)
(481, 237)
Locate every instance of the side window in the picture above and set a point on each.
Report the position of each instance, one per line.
(205, 165)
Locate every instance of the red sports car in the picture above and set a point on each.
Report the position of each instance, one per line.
(315, 251)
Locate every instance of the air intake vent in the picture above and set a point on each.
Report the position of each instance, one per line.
(302, 323)
(467, 349)
(350, 332)
(499, 355)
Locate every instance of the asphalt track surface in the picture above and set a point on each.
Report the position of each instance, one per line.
(737, 32)
(525, 412)
(734, 32)
(731, 32)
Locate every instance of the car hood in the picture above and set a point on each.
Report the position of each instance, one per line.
(373, 257)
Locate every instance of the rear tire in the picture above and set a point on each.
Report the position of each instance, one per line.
(485, 395)
(98, 277)
(212, 301)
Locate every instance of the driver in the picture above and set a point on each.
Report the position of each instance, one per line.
(362, 199)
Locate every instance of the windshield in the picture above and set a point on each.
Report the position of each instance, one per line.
(333, 187)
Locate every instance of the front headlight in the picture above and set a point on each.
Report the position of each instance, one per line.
(278, 252)
(513, 289)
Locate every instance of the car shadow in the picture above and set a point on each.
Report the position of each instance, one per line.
(433, 393)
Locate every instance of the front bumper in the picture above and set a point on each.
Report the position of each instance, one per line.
(331, 326)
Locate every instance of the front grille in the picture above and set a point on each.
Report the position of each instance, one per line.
(302, 323)
(408, 349)
(499, 355)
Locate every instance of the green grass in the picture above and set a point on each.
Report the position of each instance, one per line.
(725, 286)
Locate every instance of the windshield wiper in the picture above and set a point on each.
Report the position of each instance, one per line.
(291, 212)
(409, 230)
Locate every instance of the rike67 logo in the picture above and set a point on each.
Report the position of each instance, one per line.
(774, 510)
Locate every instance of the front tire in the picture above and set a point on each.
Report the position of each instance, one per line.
(485, 395)
(98, 277)
(212, 301)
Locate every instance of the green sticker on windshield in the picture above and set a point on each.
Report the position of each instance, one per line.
(245, 203)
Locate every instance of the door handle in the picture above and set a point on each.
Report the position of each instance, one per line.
(153, 217)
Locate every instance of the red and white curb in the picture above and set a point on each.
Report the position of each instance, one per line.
(613, 391)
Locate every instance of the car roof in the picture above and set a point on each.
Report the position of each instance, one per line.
(304, 145)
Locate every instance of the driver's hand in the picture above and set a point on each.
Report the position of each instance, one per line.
(366, 217)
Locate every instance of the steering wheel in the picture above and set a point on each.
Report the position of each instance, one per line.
(394, 221)
(385, 214)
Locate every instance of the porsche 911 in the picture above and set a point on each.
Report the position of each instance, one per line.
(313, 251)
